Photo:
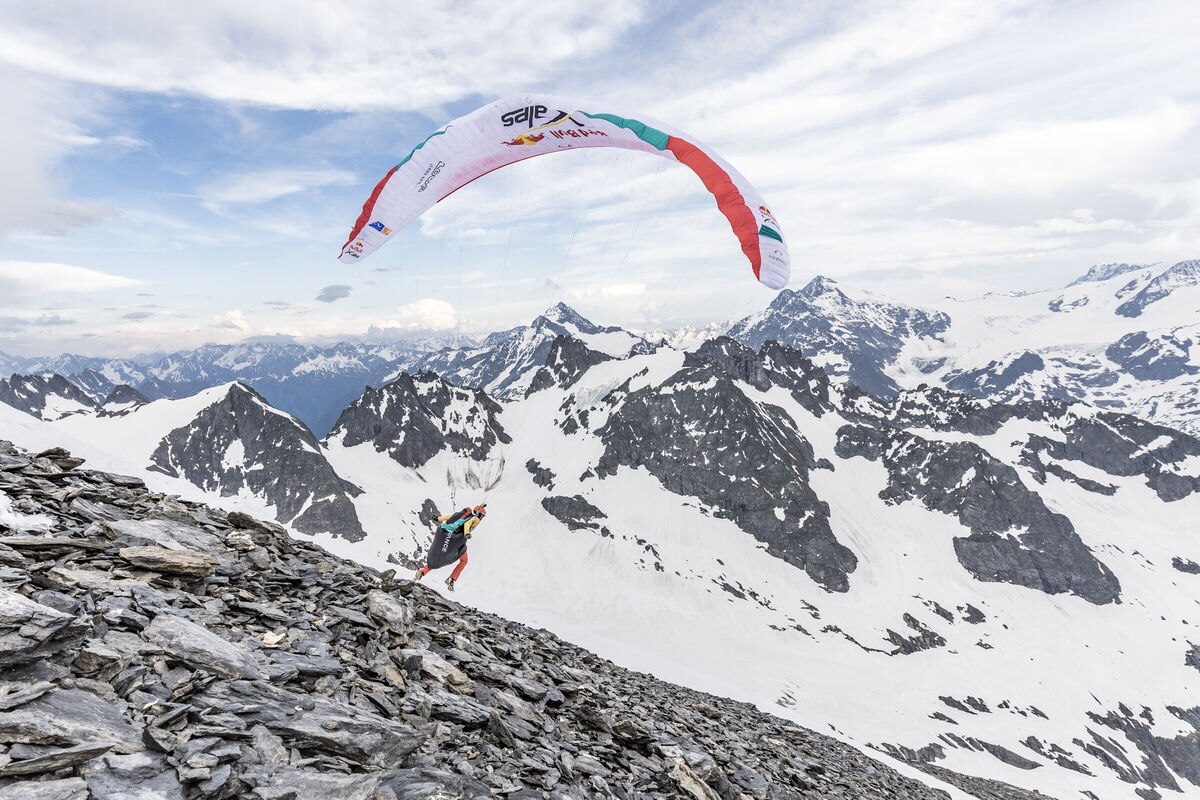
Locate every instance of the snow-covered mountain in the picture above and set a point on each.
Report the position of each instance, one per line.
(504, 362)
(46, 397)
(224, 442)
(241, 444)
(686, 337)
(1123, 336)
(313, 383)
(994, 588)
(856, 339)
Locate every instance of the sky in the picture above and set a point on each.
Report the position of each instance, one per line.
(179, 174)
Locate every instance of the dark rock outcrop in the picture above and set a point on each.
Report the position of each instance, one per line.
(415, 417)
(241, 443)
(1163, 357)
(1014, 537)
(576, 513)
(46, 397)
(703, 437)
(565, 364)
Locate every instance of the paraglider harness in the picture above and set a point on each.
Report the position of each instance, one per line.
(450, 541)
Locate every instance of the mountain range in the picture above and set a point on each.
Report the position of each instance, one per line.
(996, 585)
(1122, 336)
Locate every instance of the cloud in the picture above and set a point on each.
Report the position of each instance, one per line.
(277, 304)
(309, 55)
(41, 321)
(233, 320)
(38, 128)
(263, 186)
(20, 278)
(137, 316)
(426, 314)
(335, 292)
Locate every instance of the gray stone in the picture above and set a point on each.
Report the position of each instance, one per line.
(395, 614)
(140, 776)
(170, 561)
(30, 631)
(69, 717)
(200, 647)
(13, 695)
(312, 722)
(55, 760)
(62, 789)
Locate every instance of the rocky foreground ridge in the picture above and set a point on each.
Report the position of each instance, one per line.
(154, 648)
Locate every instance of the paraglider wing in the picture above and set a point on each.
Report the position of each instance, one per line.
(524, 126)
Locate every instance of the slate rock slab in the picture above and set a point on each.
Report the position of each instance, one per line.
(170, 561)
(139, 776)
(30, 631)
(200, 647)
(69, 717)
(64, 789)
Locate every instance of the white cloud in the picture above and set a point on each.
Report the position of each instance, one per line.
(22, 278)
(352, 55)
(39, 127)
(428, 314)
(233, 320)
(267, 185)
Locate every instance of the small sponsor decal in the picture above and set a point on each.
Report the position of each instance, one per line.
(428, 175)
(355, 248)
(379, 226)
(525, 139)
(574, 133)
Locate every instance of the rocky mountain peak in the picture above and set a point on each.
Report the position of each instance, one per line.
(241, 443)
(566, 363)
(415, 417)
(47, 396)
(1180, 275)
(122, 400)
(1103, 272)
(561, 318)
(818, 287)
(852, 339)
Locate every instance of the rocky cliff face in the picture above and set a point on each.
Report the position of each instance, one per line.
(745, 458)
(155, 649)
(47, 397)
(857, 340)
(241, 443)
(414, 418)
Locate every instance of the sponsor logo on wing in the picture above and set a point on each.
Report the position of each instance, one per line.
(379, 226)
(430, 173)
(525, 139)
(527, 115)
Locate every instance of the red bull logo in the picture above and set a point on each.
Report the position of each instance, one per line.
(525, 139)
